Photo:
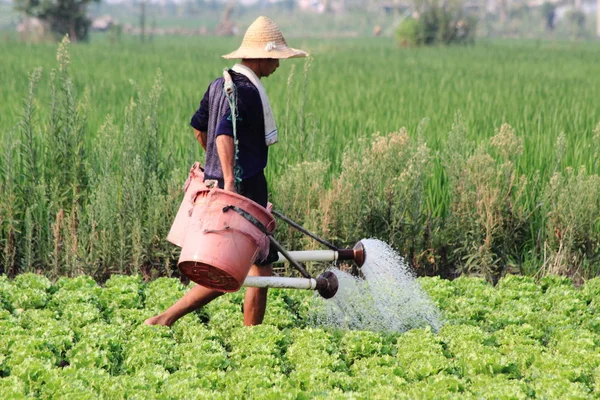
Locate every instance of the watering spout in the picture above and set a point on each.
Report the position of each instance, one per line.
(356, 254)
(326, 284)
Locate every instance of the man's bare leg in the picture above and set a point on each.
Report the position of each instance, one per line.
(197, 297)
(255, 301)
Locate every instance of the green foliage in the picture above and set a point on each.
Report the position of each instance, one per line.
(572, 206)
(357, 345)
(485, 214)
(420, 355)
(121, 292)
(89, 183)
(294, 196)
(380, 191)
(100, 345)
(323, 355)
(6, 294)
(13, 388)
(437, 24)
(64, 214)
(148, 346)
(162, 293)
(31, 291)
(408, 33)
(550, 351)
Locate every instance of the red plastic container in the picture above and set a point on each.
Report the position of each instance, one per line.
(220, 246)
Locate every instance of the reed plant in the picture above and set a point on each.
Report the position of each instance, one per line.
(380, 191)
(493, 224)
(68, 208)
(299, 198)
(572, 221)
(486, 223)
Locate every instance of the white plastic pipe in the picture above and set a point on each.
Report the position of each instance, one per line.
(292, 283)
(310, 255)
(280, 282)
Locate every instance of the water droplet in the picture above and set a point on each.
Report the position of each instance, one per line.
(389, 299)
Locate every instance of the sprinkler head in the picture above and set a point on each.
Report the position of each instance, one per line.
(327, 284)
(356, 254)
(360, 255)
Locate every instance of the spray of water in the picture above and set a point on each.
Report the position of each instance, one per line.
(389, 299)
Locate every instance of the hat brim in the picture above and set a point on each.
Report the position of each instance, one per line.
(254, 53)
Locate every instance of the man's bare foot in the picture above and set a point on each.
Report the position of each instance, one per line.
(157, 320)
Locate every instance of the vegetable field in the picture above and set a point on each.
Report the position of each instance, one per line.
(74, 339)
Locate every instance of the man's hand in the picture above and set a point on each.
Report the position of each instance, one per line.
(226, 151)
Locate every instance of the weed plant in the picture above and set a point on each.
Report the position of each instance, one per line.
(90, 176)
(68, 208)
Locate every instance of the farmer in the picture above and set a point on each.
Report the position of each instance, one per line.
(262, 48)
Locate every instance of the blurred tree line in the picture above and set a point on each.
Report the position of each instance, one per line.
(437, 22)
(433, 22)
(62, 16)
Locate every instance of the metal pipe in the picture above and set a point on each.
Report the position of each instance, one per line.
(303, 230)
(292, 261)
(280, 282)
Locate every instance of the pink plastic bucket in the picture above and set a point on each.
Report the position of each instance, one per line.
(193, 184)
(221, 245)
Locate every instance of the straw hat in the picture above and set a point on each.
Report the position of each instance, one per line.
(263, 39)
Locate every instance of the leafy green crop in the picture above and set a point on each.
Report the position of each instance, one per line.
(520, 339)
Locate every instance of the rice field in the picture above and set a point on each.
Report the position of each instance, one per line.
(329, 108)
(353, 88)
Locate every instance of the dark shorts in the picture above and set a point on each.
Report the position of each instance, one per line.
(255, 188)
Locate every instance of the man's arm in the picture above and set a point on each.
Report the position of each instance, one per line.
(201, 137)
(225, 149)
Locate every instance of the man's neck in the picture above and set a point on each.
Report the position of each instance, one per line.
(253, 65)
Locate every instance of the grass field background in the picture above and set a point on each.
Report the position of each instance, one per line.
(351, 89)
(354, 87)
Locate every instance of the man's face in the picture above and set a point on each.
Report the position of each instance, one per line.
(268, 66)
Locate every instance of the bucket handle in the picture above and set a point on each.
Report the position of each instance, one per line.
(262, 228)
(248, 217)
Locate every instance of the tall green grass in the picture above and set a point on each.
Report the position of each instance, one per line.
(94, 150)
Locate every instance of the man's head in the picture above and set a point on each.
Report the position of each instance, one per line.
(264, 41)
(262, 67)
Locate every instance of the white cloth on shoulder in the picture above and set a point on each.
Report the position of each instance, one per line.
(270, 127)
